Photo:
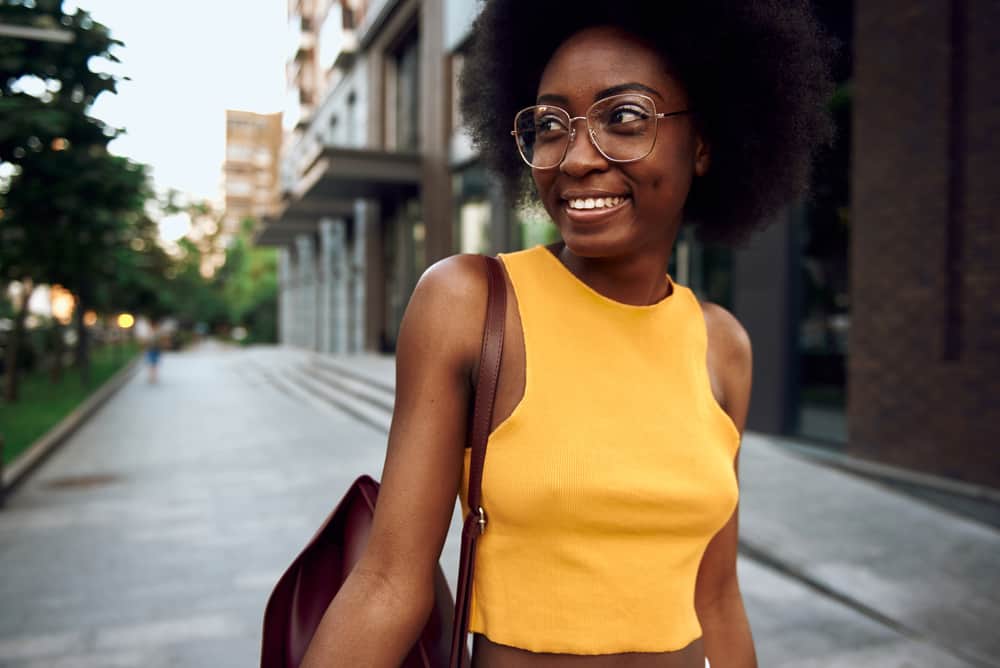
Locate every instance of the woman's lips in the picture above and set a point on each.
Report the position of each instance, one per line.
(596, 213)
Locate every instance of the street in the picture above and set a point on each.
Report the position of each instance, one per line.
(152, 538)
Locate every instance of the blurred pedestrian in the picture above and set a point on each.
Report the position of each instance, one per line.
(153, 349)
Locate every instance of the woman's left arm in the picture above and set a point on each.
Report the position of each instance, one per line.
(726, 630)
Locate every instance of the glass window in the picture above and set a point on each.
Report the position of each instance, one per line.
(404, 261)
(824, 315)
(407, 94)
(472, 211)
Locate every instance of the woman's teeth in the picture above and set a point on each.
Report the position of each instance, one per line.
(595, 202)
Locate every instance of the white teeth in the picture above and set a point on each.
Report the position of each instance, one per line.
(594, 202)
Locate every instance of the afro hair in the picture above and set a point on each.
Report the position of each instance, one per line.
(757, 73)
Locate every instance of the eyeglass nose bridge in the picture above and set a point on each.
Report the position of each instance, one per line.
(572, 134)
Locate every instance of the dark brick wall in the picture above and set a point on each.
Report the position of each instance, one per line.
(924, 363)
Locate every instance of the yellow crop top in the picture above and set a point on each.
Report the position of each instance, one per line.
(606, 483)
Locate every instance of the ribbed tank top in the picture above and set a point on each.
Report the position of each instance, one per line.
(607, 481)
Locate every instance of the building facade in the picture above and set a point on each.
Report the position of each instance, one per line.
(371, 157)
(250, 172)
(924, 368)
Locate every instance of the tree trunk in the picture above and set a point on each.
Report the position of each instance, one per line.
(57, 352)
(82, 343)
(11, 372)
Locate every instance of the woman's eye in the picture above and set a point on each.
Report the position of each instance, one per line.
(549, 124)
(626, 115)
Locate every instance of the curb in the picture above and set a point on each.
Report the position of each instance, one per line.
(18, 470)
(886, 472)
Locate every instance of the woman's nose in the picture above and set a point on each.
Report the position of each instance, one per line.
(582, 155)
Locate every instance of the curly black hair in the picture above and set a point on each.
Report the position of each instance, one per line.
(757, 73)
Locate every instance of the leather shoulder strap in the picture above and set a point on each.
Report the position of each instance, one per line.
(489, 373)
(482, 417)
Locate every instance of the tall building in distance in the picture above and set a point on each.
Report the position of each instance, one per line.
(253, 144)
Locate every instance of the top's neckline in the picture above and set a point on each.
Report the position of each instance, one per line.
(573, 278)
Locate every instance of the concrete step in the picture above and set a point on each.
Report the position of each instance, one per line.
(363, 390)
(375, 371)
(276, 376)
(361, 409)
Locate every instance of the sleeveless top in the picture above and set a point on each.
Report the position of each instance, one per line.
(604, 486)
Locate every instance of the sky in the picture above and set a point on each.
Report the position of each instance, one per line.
(189, 61)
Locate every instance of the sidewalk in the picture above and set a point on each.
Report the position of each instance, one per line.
(153, 536)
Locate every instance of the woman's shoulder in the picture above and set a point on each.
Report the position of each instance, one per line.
(730, 361)
(458, 280)
(726, 335)
(447, 308)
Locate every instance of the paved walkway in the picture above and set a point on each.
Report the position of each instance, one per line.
(153, 536)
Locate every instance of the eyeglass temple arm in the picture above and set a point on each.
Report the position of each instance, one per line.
(664, 114)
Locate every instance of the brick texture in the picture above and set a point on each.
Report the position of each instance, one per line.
(908, 404)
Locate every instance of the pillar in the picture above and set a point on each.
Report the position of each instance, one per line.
(765, 300)
(327, 281)
(306, 314)
(286, 297)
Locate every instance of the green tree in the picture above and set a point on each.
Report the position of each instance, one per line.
(67, 207)
(140, 265)
(249, 285)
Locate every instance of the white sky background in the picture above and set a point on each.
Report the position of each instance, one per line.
(189, 61)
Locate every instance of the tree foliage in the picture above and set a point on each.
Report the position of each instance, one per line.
(75, 215)
(249, 285)
(68, 204)
(69, 85)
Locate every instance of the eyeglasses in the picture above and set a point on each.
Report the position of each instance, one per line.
(622, 127)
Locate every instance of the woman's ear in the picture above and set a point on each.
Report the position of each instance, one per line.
(702, 155)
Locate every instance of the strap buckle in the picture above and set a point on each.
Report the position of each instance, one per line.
(482, 520)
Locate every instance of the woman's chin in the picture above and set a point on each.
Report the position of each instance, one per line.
(592, 245)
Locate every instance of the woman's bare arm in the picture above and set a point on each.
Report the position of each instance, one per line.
(385, 602)
(727, 638)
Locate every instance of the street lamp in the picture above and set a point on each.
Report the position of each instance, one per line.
(62, 304)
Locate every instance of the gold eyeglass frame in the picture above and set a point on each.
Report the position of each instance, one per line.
(590, 130)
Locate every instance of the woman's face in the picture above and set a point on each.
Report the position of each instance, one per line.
(587, 67)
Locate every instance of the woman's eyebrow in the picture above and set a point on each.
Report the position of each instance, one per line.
(631, 86)
(625, 88)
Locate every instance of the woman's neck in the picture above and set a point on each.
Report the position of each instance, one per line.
(637, 278)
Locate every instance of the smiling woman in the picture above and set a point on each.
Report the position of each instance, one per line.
(610, 482)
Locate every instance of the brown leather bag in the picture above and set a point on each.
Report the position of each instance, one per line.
(306, 589)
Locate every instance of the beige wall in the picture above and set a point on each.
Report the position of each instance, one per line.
(253, 142)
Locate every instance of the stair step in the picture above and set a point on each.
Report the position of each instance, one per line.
(276, 378)
(331, 363)
(361, 391)
(361, 410)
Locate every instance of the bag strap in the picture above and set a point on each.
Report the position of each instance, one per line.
(489, 373)
(482, 417)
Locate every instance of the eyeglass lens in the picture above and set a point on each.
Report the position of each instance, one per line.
(624, 129)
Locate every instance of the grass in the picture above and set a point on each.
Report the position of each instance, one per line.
(42, 404)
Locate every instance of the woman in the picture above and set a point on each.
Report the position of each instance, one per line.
(153, 353)
(611, 474)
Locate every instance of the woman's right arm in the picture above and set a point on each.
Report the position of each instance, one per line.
(384, 604)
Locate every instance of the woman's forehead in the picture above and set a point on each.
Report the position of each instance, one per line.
(596, 60)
